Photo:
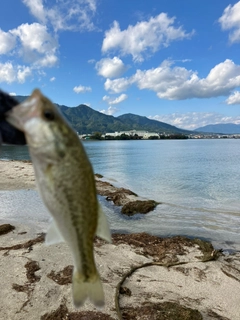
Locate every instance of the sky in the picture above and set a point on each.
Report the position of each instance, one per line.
(169, 60)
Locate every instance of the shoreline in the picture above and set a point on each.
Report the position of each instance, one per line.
(146, 275)
(17, 175)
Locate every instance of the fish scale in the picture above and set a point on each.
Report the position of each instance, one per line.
(77, 220)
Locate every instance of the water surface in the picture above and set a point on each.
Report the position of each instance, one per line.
(197, 181)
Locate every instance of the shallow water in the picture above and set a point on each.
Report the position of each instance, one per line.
(197, 181)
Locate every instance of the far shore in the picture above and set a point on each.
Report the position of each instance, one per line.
(144, 276)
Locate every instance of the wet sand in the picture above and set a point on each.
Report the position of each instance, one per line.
(144, 277)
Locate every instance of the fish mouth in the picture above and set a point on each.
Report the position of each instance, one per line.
(13, 118)
(19, 115)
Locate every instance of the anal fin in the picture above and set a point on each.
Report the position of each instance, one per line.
(103, 230)
(53, 235)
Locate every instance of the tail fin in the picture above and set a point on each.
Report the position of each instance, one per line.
(83, 289)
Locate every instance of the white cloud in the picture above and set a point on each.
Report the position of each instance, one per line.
(234, 98)
(230, 20)
(110, 68)
(34, 37)
(177, 83)
(110, 111)
(7, 42)
(92, 4)
(12, 94)
(37, 45)
(82, 89)
(37, 9)
(117, 85)
(145, 36)
(117, 100)
(52, 79)
(193, 120)
(106, 98)
(64, 14)
(34, 43)
(113, 101)
(41, 74)
(10, 73)
(49, 60)
(22, 73)
(7, 72)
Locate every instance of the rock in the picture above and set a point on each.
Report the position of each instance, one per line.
(139, 206)
(98, 175)
(124, 197)
(119, 197)
(6, 228)
(126, 291)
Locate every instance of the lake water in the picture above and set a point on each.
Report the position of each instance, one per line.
(197, 181)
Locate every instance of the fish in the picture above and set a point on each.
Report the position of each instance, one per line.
(65, 180)
(8, 133)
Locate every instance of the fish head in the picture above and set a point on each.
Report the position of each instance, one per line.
(45, 129)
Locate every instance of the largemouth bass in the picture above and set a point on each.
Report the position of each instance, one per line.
(65, 180)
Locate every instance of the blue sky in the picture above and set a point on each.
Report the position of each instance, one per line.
(173, 61)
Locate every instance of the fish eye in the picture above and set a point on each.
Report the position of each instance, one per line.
(48, 115)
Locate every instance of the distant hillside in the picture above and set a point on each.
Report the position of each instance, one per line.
(143, 123)
(224, 128)
(86, 120)
(20, 98)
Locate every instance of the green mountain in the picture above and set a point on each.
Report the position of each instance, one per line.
(143, 123)
(86, 120)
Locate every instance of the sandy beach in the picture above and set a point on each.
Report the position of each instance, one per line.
(144, 277)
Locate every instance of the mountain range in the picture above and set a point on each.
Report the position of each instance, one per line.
(87, 120)
(223, 128)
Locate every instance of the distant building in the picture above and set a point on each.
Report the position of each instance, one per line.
(132, 133)
(85, 136)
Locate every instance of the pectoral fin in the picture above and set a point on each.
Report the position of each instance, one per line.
(53, 235)
(103, 230)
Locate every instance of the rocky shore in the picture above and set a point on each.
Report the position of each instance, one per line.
(19, 175)
(144, 276)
